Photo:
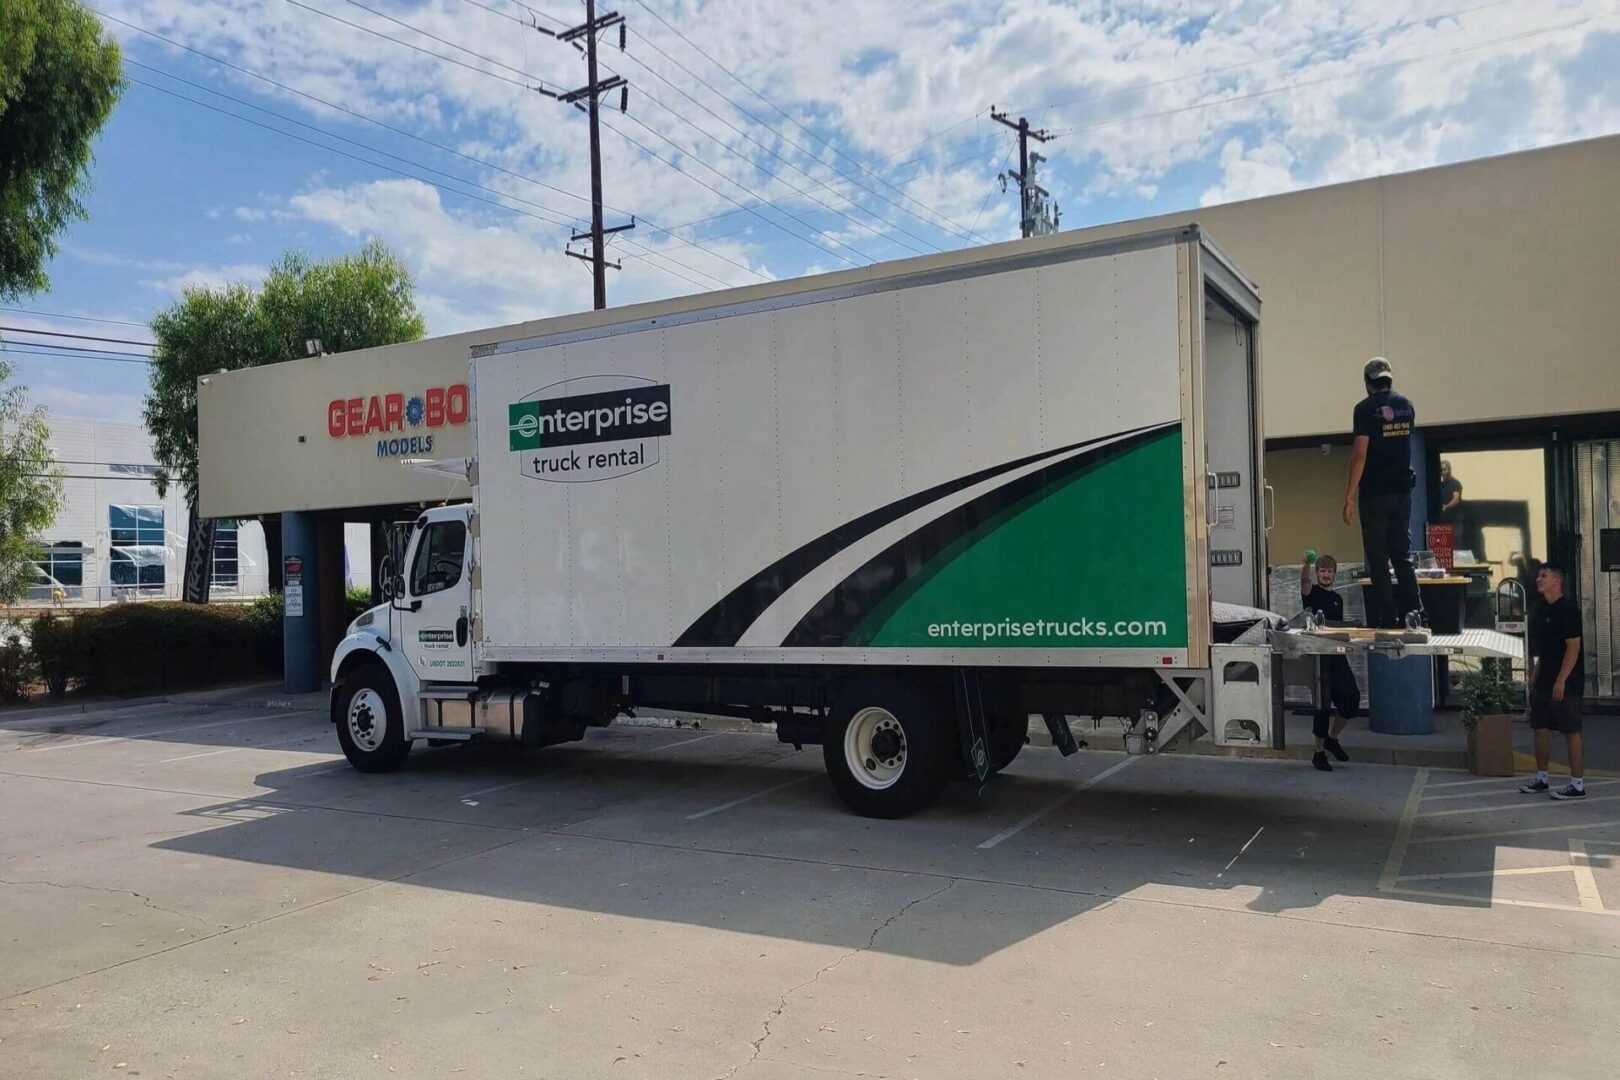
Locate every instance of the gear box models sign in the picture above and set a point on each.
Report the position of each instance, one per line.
(403, 425)
(596, 427)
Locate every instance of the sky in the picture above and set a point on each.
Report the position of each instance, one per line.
(763, 138)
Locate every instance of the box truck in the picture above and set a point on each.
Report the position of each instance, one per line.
(895, 512)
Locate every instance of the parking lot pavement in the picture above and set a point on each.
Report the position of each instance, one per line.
(208, 890)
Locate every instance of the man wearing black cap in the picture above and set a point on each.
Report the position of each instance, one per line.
(1381, 482)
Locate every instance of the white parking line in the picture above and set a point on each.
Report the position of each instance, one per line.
(308, 735)
(91, 740)
(1540, 803)
(1585, 882)
(471, 796)
(1403, 833)
(1450, 837)
(1511, 789)
(687, 742)
(1054, 804)
(750, 798)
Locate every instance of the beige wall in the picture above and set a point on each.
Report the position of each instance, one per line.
(1309, 488)
(1488, 284)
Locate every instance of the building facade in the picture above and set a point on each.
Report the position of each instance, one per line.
(117, 537)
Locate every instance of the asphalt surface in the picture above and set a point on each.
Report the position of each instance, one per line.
(207, 890)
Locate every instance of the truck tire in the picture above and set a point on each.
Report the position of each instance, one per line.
(888, 753)
(370, 722)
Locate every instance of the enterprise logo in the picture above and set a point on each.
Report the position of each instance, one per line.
(621, 419)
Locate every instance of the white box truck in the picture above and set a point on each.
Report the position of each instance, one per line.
(894, 511)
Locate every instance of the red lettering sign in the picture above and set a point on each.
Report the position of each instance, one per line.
(434, 407)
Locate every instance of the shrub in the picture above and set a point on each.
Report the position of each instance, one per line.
(155, 646)
(1490, 691)
(355, 602)
(16, 667)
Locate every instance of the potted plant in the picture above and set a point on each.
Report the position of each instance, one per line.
(1488, 696)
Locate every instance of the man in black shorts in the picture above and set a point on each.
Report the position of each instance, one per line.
(1557, 681)
(1380, 488)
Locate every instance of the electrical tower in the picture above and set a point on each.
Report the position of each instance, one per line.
(1038, 214)
(586, 99)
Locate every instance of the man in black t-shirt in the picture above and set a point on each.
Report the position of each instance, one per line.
(1380, 487)
(1316, 594)
(1557, 681)
(1450, 498)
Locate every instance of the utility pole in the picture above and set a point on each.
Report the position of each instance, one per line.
(1037, 215)
(587, 100)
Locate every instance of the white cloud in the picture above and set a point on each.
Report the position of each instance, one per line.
(207, 277)
(95, 405)
(1155, 96)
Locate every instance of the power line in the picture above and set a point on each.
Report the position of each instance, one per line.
(80, 318)
(768, 149)
(409, 45)
(77, 337)
(440, 40)
(61, 346)
(792, 120)
(112, 359)
(410, 176)
(396, 130)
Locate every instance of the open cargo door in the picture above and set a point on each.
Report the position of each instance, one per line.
(1237, 502)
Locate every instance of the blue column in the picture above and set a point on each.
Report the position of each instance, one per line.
(302, 624)
(1420, 493)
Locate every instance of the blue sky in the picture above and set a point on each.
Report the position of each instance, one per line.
(889, 150)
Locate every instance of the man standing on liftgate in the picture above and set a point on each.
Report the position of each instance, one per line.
(1381, 482)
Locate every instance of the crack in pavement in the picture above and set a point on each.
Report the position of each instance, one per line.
(758, 1045)
(142, 897)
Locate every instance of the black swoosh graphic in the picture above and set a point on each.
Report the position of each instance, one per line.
(726, 621)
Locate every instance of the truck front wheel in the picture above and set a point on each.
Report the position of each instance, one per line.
(370, 723)
(886, 751)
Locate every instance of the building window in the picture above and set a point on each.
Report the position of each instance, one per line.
(61, 569)
(227, 558)
(137, 540)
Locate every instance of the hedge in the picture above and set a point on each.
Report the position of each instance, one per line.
(161, 646)
(157, 646)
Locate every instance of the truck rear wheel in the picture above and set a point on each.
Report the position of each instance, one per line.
(370, 723)
(1007, 736)
(887, 752)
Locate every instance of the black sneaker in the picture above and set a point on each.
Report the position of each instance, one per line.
(1319, 762)
(1534, 787)
(1569, 792)
(1335, 749)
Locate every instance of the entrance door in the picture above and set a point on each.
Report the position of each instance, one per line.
(1597, 506)
(436, 601)
(1234, 506)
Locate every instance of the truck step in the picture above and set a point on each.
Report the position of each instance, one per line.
(460, 734)
(446, 693)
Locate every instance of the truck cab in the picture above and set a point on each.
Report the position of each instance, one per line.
(412, 650)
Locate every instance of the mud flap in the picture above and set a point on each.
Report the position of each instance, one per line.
(970, 723)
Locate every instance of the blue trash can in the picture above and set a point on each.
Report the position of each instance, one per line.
(1400, 695)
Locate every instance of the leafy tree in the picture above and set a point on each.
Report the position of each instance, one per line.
(59, 79)
(351, 302)
(30, 486)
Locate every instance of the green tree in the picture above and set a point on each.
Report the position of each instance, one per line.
(59, 79)
(30, 485)
(352, 302)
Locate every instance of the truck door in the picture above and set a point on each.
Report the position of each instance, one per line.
(1235, 508)
(436, 603)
